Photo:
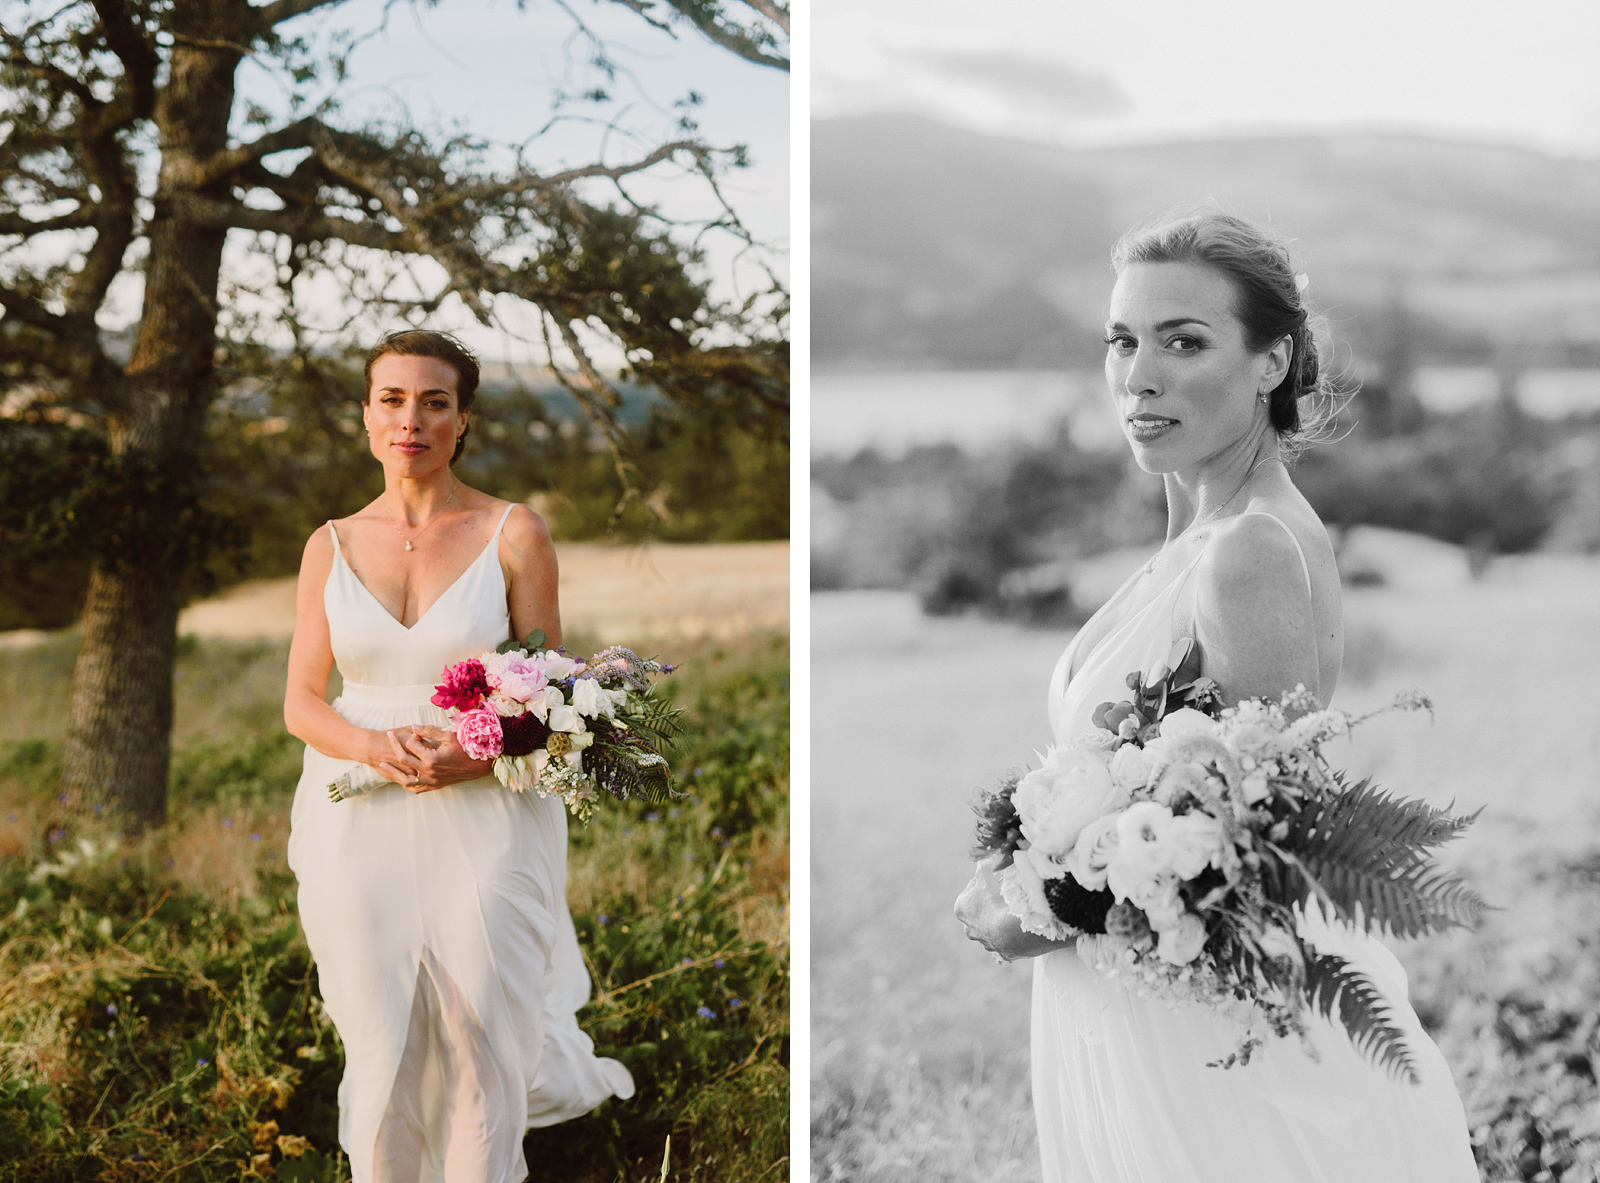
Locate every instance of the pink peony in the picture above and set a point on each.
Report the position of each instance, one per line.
(480, 734)
(521, 679)
(465, 686)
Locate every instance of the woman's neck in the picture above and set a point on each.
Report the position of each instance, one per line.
(417, 499)
(1199, 494)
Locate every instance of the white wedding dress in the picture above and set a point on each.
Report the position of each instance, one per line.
(438, 921)
(1121, 1090)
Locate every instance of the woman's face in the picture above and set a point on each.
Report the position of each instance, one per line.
(1185, 383)
(411, 413)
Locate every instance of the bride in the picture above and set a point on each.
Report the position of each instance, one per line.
(1208, 356)
(435, 909)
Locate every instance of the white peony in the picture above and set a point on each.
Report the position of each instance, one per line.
(1182, 943)
(1159, 900)
(556, 666)
(1056, 801)
(1023, 891)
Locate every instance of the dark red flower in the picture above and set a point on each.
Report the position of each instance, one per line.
(523, 733)
(465, 686)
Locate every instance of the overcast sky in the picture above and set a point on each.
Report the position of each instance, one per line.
(488, 68)
(1076, 72)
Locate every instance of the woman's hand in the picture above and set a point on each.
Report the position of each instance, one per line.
(423, 758)
(982, 912)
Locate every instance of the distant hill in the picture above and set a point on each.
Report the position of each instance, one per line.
(944, 248)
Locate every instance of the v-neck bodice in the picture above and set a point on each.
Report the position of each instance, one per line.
(1141, 641)
(372, 648)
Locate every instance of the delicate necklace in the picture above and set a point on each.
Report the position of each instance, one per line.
(1151, 565)
(440, 512)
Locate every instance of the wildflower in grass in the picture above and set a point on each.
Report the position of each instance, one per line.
(255, 837)
(57, 835)
(673, 813)
(603, 918)
(111, 1008)
(227, 823)
(718, 963)
(99, 808)
(716, 831)
(61, 797)
(652, 816)
(272, 854)
(11, 817)
(734, 1004)
(688, 961)
(168, 862)
(705, 1012)
(202, 1063)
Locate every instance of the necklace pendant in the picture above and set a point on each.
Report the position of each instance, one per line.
(408, 544)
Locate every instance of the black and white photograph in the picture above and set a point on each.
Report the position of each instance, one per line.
(1205, 584)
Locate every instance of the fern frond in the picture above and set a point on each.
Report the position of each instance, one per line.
(1333, 985)
(1365, 854)
(657, 719)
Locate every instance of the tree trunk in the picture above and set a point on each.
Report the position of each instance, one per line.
(118, 745)
(120, 735)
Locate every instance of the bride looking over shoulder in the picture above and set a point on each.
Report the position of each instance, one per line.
(1211, 364)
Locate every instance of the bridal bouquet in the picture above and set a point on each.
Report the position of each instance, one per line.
(555, 724)
(1176, 840)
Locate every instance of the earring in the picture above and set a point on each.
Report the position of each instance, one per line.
(1261, 398)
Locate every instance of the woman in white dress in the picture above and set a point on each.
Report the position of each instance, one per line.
(1208, 358)
(435, 907)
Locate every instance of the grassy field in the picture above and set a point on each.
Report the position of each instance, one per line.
(159, 1016)
(919, 1041)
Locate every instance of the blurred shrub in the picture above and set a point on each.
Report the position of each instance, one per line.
(1000, 532)
(286, 452)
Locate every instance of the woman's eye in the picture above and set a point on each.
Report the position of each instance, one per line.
(1184, 343)
(1121, 342)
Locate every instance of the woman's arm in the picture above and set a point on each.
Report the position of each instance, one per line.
(1253, 613)
(306, 712)
(528, 558)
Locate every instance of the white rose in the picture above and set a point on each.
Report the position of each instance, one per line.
(1141, 829)
(1092, 853)
(1187, 723)
(1055, 802)
(1192, 843)
(1098, 740)
(506, 706)
(1182, 943)
(1023, 892)
(1130, 767)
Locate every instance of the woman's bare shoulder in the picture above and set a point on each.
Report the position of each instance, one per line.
(318, 554)
(1257, 552)
(525, 539)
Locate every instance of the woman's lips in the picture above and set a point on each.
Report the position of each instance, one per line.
(412, 449)
(1145, 428)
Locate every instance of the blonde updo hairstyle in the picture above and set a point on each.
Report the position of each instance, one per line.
(1269, 306)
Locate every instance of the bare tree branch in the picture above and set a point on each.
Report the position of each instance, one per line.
(224, 164)
(139, 61)
(308, 225)
(281, 10)
(778, 14)
(79, 219)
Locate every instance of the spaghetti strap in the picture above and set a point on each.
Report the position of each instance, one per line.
(1305, 568)
(334, 534)
(502, 524)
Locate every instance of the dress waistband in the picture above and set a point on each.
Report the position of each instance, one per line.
(389, 696)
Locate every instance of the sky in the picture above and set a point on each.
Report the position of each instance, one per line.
(489, 67)
(1075, 72)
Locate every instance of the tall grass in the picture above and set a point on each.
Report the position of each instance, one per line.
(159, 1014)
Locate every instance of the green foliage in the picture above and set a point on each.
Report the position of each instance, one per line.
(159, 1009)
(1334, 985)
(1365, 853)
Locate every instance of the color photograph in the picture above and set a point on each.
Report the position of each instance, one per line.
(394, 591)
